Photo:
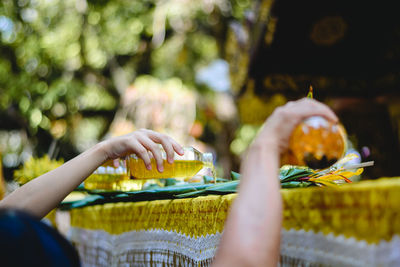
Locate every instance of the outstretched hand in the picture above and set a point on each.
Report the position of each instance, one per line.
(43, 194)
(278, 128)
(141, 142)
(252, 231)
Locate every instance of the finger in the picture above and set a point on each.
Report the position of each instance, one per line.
(177, 147)
(141, 152)
(162, 139)
(165, 142)
(155, 150)
(116, 163)
(290, 103)
(309, 107)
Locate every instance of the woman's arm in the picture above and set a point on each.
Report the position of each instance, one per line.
(252, 231)
(44, 193)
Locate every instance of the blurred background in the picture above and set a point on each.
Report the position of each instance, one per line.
(206, 72)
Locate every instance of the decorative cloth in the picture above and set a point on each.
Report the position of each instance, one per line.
(353, 225)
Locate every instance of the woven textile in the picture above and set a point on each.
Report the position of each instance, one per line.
(354, 225)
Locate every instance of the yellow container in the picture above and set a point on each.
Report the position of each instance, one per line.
(184, 167)
(111, 178)
(135, 176)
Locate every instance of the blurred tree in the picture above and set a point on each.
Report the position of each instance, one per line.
(65, 63)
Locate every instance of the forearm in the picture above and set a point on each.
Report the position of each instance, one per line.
(44, 193)
(252, 231)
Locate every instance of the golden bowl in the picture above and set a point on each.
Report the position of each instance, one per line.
(316, 143)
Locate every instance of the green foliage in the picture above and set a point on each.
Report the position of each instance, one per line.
(244, 136)
(65, 64)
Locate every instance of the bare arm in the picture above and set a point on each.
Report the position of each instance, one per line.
(42, 194)
(253, 226)
(252, 230)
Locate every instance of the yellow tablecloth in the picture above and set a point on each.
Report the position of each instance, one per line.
(353, 225)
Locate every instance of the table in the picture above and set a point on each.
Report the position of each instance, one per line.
(353, 225)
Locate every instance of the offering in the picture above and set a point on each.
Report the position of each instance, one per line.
(110, 177)
(316, 143)
(184, 167)
(131, 174)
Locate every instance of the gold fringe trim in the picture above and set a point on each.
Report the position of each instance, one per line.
(193, 216)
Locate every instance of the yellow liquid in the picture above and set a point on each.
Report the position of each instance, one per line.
(178, 169)
(115, 182)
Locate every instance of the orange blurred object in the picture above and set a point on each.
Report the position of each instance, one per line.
(316, 143)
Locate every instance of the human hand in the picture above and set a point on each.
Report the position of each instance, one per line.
(140, 143)
(279, 126)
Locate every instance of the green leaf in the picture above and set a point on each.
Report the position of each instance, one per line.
(218, 189)
(209, 179)
(295, 184)
(292, 173)
(170, 181)
(235, 176)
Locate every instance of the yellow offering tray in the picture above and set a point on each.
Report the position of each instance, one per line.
(184, 167)
(109, 177)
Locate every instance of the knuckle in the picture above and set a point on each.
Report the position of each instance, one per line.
(141, 150)
(153, 147)
(286, 113)
(139, 134)
(308, 101)
(126, 142)
(172, 140)
(142, 130)
(278, 110)
(282, 111)
(163, 139)
(290, 103)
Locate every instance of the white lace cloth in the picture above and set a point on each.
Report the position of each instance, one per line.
(166, 248)
(300, 248)
(143, 248)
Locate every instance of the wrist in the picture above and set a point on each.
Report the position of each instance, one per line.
(261, 155)
(100, 149)
(269, 145)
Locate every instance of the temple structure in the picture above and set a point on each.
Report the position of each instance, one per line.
(348, 50)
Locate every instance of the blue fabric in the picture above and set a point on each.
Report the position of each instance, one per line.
(26, 241)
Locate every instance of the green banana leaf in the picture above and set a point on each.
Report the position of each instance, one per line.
(292, 173)
(286, 174)
(88, 200)
(295, 184)
(173, 189)
(209, 179)
(218, 189)
(235, 176)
